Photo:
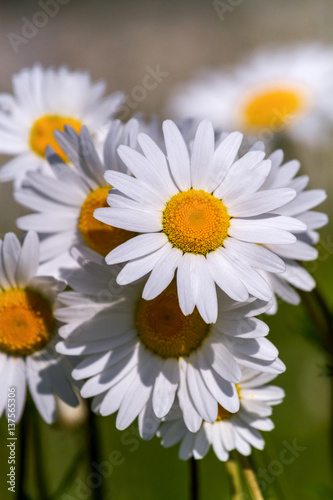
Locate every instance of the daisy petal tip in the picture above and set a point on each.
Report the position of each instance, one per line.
(122, 280)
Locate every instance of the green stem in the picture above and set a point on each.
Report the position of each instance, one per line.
(194, 481)
(38, 457)
(68, 479)
(318, 311)
(250, 478)
(22, 453)
(235, 479)
(94, 453)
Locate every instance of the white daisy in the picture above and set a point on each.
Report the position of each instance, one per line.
(65, 203)
(282, 175)
(202, 214)
(46, 100)
(139, 354)
(287, 89)
(230, 431)
(28, 331)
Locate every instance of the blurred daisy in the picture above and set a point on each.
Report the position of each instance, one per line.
(46, 100)
(202, 214)
(65, 204)
(231, 431)
(284, 90)
(139, 354)
(28, 331)
(282, 175)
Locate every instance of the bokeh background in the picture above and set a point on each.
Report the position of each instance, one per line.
(117, 40)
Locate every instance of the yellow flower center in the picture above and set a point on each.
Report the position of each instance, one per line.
(42, 133)
(196, 221)
(273, 107)
(100, 237)
(164, 329)
(222, 413)
(26, 321)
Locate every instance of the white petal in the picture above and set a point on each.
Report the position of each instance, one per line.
(134, 188)
(131, 220)
(41, 391)
(244, 177)
(259, 348)
(165, 387)
(304, 201)
(148, 422)
(138, 268)
(201, 444)
(255, 255)
(253, 281)
(222, 361)
(260, 231)
(11, 250)
(177, 154)
(53, 223)
(144, 170)
(136, 247)
(157, 157)
(202, 154)
(192, 418)
(224, 392)
(222, 271)
(206, 298)
(186, 284)
(186, 448)
(28, 262)
(224, 157)
(137, 395)
(204, 402)
(162, 274)
(260, 202)
(217, 444)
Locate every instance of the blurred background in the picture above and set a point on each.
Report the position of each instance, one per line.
(117, 40)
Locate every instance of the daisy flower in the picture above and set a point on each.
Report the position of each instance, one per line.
(138, 354)
(29, 330)
(64, 204)
(46, 100)
(230, 431)
(283, 175)
(273, 91)
(201, 214)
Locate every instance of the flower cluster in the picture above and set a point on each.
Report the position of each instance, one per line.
(171, 242)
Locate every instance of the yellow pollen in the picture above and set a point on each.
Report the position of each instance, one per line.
(275, 108)
(164, 329)
(42, 133)
(26, 321)
(100, 237)
(196, 221)
(224, 414)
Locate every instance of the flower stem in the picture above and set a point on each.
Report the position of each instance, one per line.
(194, 482)
(38, 457)
(23, 453)
(235, 479)
(321, 317)
(250, 478)
(94, 453)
